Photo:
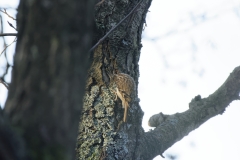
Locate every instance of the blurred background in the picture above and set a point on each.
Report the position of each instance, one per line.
(189, 48)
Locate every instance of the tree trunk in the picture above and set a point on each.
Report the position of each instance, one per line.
(102, 132)
(49, 75)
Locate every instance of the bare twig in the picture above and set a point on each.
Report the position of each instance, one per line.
(5, 12)
(111, 30)
(4, 83)
(8, 34)
(4, 51)
(5, 54)
(4, 74)
(6, 70)
(10, 24)
(8, 45)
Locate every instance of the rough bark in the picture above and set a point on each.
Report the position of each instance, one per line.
(102, 133)
(49, 75)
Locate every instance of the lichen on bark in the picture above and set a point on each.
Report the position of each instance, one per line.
(102, 133)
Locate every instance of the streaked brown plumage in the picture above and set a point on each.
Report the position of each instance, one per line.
(124, 90)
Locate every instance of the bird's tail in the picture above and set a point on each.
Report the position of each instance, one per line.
(125, 113)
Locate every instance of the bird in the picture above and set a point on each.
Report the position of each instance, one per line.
(125, 89)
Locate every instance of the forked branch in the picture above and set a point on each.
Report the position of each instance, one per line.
(5, 12)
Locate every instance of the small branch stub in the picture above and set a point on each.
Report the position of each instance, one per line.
(157, 119)
(8, 34)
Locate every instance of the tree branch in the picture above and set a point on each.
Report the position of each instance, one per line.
(4, 83)
(172, 128)
(10, 24)
(5, 12)
(8, 34)
(9, 45)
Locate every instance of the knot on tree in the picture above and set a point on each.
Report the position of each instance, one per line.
(157, 119)
(195, 101)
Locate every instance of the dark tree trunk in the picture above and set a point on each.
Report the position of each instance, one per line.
(49, 75)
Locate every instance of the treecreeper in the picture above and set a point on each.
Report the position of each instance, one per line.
(125, 90)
